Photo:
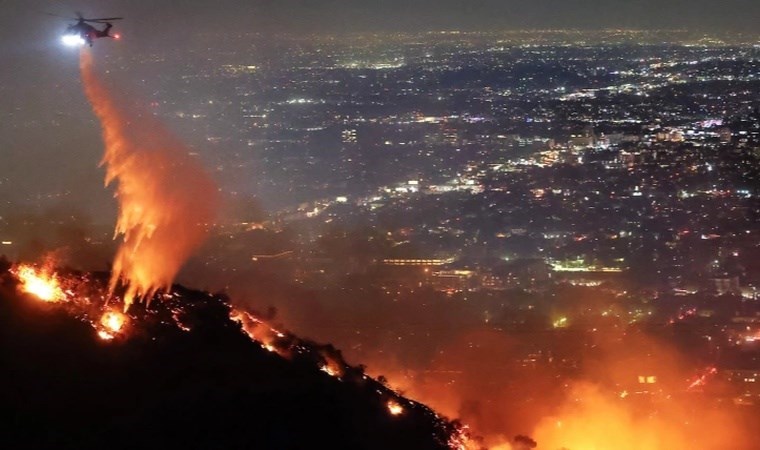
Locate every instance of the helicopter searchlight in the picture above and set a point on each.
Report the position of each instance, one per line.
(83, 32)
(72, 40)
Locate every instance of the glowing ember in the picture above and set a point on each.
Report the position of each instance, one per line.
(105, 335)
(394, 408)
(113, 321)
(460, 439)
(247, 321)
(258, 331)
(269, 348)
(331, 366)
(40, 283)
(178, 321)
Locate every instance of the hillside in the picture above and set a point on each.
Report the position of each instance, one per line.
(184, 375)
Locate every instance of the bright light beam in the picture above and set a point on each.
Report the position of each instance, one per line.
(72, 40)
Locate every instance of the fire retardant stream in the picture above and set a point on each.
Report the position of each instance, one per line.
(166, 199)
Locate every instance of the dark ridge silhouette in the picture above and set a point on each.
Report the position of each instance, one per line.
(162, 387)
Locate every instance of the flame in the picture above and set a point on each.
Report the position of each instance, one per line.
(460, 439)
(166, 199)
(331, 366)
(113, 321)
(46, 285)
(395, 408)
(105, 335)
(112, 324)
(259, 331)
(40, 282)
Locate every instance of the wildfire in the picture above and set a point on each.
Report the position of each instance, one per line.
(86, 299)
(105, 335)
(395, 408)
(113, 321)
(46, 285)
(331, 366)
(165, 197)
(111, 324)
(40, 282)
(329, 370)
(259, 331)
(460, 439)
(166, 203)
(249, 323)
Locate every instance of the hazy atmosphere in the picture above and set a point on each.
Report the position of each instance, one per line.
(458, 225)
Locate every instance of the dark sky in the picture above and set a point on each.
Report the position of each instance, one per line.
(335, 15)
(39, 80)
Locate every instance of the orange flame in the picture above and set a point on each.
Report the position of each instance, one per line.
(394, 408)
(166, 199)
(111, 323)
(105, 335)
(259, 331)
(40, 282)
(460, 439)
(331, 366)
(329, 370)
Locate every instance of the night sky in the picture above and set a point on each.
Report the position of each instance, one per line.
(39, 79)
(165, 16)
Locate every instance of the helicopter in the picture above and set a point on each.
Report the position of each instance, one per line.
(81, 32)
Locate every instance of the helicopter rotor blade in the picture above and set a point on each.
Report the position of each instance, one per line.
(79, 16)
(58, 15)
(103, 19)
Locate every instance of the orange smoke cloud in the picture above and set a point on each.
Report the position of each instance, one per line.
(166, 199)
(634, 396)
(592, 419)
(631, 393)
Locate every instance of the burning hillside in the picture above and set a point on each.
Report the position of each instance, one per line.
(187, 371)
(83, 369)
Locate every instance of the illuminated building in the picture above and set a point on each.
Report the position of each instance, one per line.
(418, 262)
(348, 136)
(725, 285)
(452, 280)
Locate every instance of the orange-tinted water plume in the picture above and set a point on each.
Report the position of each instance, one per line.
(166, 199)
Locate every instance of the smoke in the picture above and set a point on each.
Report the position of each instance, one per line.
(592, 418)
(166, 200)
(633, 396)
(577, 388)
(77, 242)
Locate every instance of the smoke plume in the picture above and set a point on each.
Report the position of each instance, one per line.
(166, 200)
